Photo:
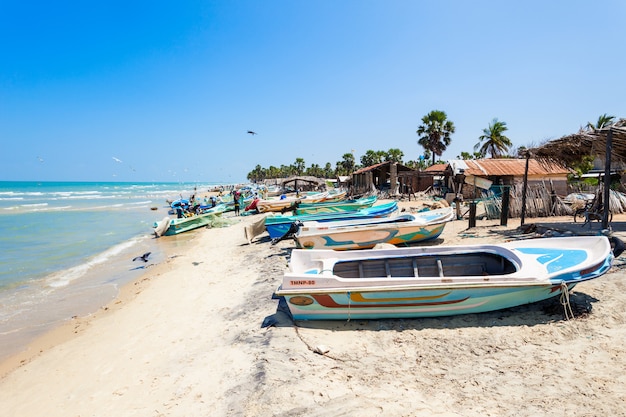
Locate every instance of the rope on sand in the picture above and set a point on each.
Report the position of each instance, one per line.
(567, 307)
(320, 349)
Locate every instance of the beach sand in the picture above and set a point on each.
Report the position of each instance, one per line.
(200, 335)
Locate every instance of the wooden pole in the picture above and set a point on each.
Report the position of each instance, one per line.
(504, 214)
(607, 178)
(524, 190)
(472, 214)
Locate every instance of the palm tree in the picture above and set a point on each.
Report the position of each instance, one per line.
(299, 166)
(603, 121)
(493, 140)
(435, 132)
(346, 165)
(394, 155)
(372, 158)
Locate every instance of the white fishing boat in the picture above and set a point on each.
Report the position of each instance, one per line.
(426, 281)
(366, 233)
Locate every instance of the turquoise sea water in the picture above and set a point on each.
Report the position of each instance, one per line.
(68, 246)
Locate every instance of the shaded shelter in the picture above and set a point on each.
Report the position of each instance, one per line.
(608, 142)
(304, 183)
(381, 177)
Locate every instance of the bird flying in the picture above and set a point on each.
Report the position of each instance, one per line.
(143, 257)
(116, 159)
(252, 132)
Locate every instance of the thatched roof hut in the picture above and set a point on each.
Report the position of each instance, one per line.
(587, 142)
(608, 143)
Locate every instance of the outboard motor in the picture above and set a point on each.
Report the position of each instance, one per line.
(617, 245)
(293, 229)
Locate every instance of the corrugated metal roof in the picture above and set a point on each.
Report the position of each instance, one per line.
(511, 167)
(437, 168)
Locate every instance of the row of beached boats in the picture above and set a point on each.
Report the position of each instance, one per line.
(340, 271)
(355, 259)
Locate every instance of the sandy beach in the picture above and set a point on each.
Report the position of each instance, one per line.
(199, 334)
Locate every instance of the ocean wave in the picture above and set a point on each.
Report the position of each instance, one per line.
(24, 193)
(64, 278)
(57, 208)
(34, 205)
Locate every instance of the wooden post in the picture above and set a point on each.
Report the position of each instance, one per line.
(524, 190)
(393, 178)
(607, 179)
(472, 214)
(504, 214)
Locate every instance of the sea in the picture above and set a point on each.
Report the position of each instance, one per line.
(66, 248)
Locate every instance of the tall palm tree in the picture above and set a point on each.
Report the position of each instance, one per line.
(493, 140)
(434, 132)
(394, 155)
(603, 121)
(346, 165)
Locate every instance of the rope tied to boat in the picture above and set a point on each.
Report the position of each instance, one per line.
(349, 300)
(565, 302)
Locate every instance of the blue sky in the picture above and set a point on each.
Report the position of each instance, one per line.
(171, 88)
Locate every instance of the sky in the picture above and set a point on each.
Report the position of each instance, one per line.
(153, 91)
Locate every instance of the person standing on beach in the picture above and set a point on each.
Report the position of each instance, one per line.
(236, 201)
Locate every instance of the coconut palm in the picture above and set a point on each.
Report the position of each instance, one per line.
(603, 121)
(394, 155)
(435, 132)
(493, 141)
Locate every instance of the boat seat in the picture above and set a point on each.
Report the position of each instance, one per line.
(440, 268)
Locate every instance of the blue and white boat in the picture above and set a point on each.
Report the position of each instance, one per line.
(430, 281)
(278, 224)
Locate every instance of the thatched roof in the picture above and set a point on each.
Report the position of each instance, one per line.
(375, 167)
(587, 142)
(303, 178)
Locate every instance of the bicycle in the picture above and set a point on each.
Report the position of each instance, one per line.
(589, 212)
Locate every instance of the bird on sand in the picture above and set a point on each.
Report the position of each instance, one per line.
(252, 132)
(143, 257)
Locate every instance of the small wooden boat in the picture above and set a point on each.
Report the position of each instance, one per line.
(287, 203)
(335, 206)
(363, 234)
(427, 281)
(335, 195)
(278, 224)
(167, 226)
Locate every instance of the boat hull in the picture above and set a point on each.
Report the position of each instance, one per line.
(414, 303)
(177, 226)
(430, 281)
(278, 225)
(366, 238)
(335, 207)
(365, 234)
(288, 203)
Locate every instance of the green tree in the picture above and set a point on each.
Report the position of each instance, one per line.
(467, 155)
(299, 166)
(603, 121)
(372, 158)
(493, 140)
(315, 171)
(257, 174)
(434, 133)
(328, 170)
(346, 165)
(273, 172)
(394, 155)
